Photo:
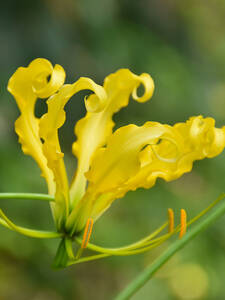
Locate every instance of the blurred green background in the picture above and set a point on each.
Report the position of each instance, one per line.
(182, 45)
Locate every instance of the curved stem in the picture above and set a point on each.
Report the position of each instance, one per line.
(31, 232)
(27, 196)
(148, 273)
(124, 251)
(86, 259)
(146, 243)
(114, 251)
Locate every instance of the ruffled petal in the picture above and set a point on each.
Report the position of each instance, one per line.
(119, 160)
(93, 130)
(53, 120)
(199, 139)
(135, 157)
(26, 85)
(113, 166)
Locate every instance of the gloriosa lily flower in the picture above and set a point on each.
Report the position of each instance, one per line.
(109, 163)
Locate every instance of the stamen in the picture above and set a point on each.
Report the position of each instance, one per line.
(183, 223)
(87, 233)
(171, 220)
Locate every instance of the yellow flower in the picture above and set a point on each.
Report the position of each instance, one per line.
(109, 163)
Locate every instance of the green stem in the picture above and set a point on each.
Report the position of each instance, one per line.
(114, 251)
(4, 220)
(125, 251)
(86, 259)
(27, 231)
(27, 196)
(148, 273)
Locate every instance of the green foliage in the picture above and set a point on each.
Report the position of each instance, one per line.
(182, 45)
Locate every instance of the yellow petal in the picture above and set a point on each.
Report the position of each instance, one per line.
(53, 120)
(26, 85)
(113, 166)
(93, 130)
(195, 140)
(136, 156)
(119, 160)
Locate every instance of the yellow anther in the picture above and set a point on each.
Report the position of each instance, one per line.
(183, 223)
(171, 220)
(87, 233)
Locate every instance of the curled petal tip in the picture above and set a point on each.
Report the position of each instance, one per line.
(148, 84)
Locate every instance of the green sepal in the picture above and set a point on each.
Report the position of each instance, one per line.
(61, 257)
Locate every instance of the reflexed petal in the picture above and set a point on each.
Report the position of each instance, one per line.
(26, 85)
(113, 166)
(93, 130)
(54, 119)
(136, 156)
(119, 160)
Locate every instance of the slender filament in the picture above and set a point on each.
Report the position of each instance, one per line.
(87, 233)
